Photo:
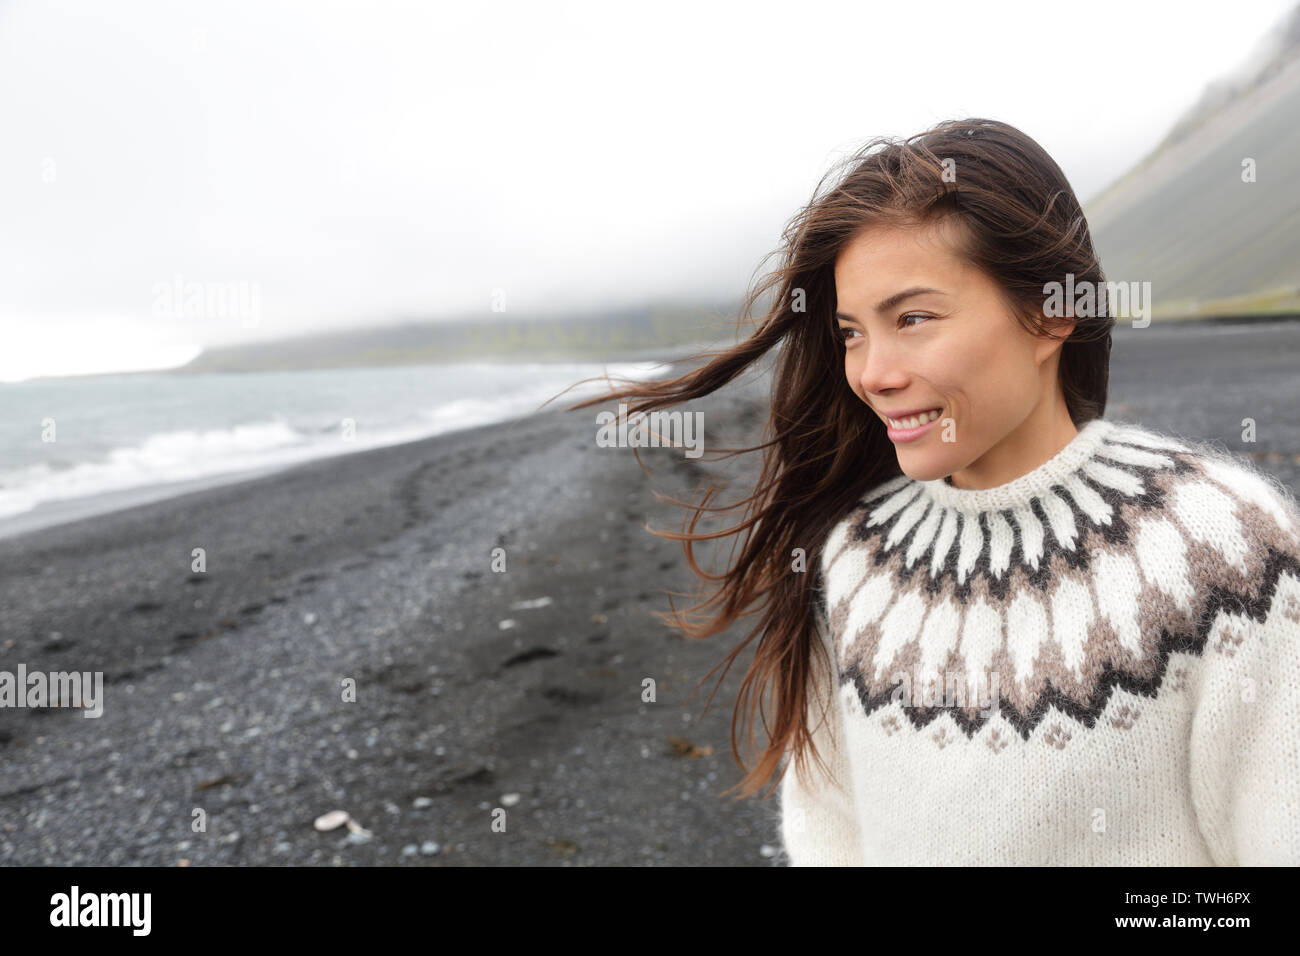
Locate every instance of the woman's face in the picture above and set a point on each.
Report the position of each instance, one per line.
(955, 348)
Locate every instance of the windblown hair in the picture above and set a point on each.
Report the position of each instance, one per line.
(822, 448)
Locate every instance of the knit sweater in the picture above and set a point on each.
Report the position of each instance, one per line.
(1096, 663)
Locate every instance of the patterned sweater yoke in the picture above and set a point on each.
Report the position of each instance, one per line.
(1095, 663)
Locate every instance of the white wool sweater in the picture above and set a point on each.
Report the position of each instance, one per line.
(1132, 609)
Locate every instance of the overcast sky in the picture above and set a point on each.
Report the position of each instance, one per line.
(360, 163)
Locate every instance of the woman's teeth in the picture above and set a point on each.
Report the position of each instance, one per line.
(915, 421)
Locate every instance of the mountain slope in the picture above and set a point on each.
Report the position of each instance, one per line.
(1184, 219)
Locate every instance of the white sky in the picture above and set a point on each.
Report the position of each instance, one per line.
(366, 162)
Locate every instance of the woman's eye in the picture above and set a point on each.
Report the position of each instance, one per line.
(913, 315)
(843, 332)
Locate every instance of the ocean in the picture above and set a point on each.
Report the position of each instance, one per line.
(71, 447)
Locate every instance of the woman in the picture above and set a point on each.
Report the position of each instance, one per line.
(1032, 635)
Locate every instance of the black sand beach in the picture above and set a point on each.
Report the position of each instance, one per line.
(223, 689)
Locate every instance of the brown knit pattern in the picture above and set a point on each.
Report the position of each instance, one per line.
(1149, 545)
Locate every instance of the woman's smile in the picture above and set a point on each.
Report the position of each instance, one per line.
(912, 427)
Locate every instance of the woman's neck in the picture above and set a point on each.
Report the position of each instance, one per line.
(1057, 468)
(1035, 440)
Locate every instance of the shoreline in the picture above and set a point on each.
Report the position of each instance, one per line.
(54, 513)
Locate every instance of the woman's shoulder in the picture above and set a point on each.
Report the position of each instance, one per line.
(1207, 477)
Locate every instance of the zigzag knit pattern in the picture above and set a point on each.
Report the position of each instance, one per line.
(1117, 629)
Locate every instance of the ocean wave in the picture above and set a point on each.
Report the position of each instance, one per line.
(180, 455)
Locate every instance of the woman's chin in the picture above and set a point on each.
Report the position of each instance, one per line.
(920, 466)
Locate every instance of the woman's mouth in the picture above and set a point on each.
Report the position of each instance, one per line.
(913, 426)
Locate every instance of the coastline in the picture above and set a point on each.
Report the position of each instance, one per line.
(54, 511)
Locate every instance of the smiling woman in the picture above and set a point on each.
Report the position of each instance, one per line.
(946, 354)
(1027, 628)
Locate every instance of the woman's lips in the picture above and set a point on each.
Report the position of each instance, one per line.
(911, 434)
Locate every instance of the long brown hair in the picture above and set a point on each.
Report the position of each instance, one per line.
(822, 450)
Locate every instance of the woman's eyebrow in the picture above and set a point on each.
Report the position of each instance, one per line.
(893, 300)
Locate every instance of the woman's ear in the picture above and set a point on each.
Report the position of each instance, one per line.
(1053, 338)
(1063, 328)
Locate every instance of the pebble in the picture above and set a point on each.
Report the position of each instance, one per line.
(331, 821)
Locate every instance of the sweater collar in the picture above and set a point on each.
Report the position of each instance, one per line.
(1079, 451)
